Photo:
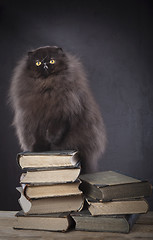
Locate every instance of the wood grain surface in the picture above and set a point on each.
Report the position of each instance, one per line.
(143, 229)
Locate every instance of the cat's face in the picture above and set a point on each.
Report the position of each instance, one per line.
(46, 61)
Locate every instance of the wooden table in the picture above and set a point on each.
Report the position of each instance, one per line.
(143, 230)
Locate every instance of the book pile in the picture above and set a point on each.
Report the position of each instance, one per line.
(55, 197)
(49, 190)
(114, 202)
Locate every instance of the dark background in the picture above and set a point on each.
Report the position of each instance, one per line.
(114, 40)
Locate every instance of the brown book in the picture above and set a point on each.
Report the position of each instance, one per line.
(51, 204)
(110, 185)
(45, 177)
(114, 223)
(50, 222)
(43, 160)
(56, 190)
(118, 207)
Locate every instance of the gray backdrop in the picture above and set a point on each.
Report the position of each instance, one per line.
(114, 41)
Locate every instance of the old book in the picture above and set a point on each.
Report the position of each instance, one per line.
(110, 185)
(118, 207)
(51, 204)
(114, 223)
(50, 176)
(42, 160)
(50, 222)
(56, 190)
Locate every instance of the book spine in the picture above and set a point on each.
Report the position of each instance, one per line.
(90, 190)
(18, 159)
(19, 155)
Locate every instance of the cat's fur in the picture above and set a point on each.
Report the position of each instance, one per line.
(54, 108)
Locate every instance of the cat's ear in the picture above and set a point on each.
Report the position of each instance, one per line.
(60, 50)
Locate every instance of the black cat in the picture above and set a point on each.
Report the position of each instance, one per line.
(54, 108)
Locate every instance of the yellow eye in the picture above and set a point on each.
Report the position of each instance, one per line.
(38, 63)
(52, 61)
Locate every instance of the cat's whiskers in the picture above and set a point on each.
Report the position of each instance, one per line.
(44, 59)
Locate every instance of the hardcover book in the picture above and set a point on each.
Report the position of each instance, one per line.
(51, 204)
(110, 185)
(43, 160)
(114, 223)
(51, 222)
(118, 207)
(45, 177)
(56, 190)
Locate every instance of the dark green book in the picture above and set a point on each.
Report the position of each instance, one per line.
(110, 185)
(114, 223)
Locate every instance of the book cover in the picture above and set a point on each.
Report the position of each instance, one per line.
(117, 207)
(110, 185)
(51, 204)
(114, 223)
(43, 160)
(45, 177)
(56, 190)
(49, 222)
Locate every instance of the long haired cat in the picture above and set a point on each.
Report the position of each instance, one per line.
(54, 108)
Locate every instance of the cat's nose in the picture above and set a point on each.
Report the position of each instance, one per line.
(45, 66)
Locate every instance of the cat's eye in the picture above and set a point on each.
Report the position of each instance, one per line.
(52, 61)
(38, 63)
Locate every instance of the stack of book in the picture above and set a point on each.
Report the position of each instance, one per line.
(49, 190)
(114, 202)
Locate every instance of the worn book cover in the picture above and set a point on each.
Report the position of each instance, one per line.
(42, 160)
(55, 190)
(117, 207)
(50, 204)
(49, 222)
(45, 177)
(114, 223)
(110, 185)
